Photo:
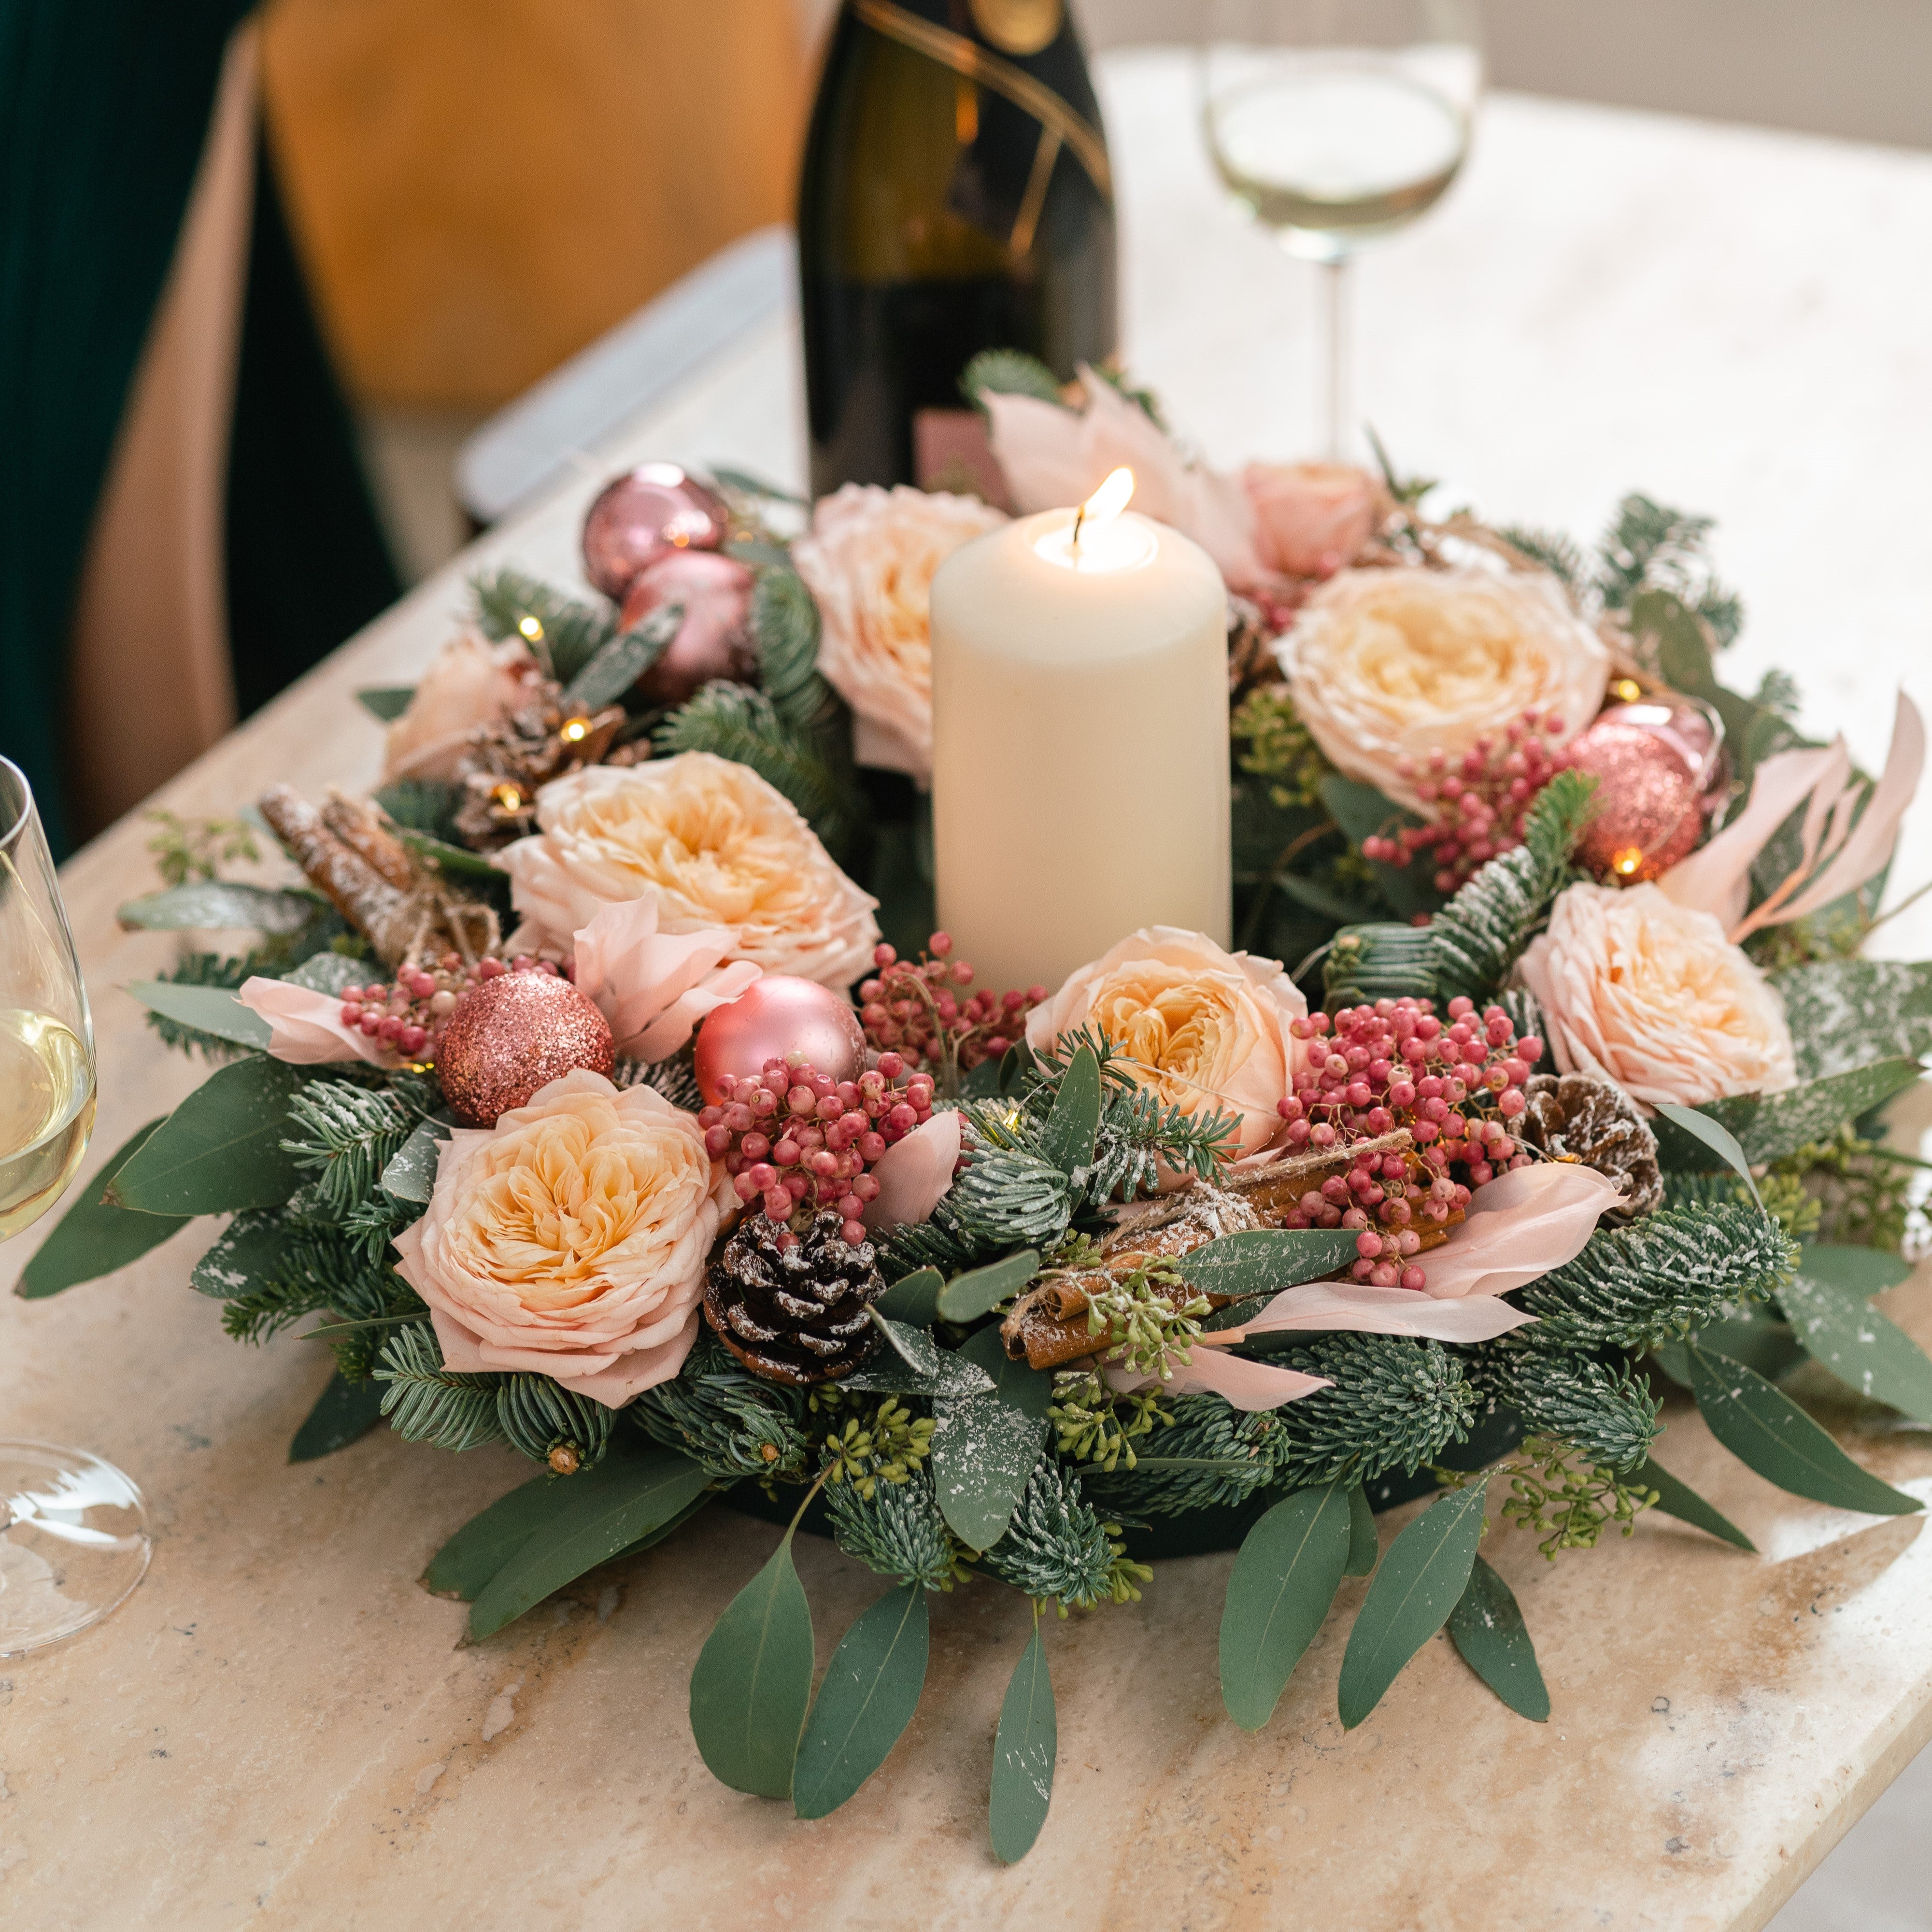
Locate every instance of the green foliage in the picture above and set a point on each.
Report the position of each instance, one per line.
(1023, 1752)
(1008, 372)
(1210, 1454)
(1655, 1281)
(428, 805)
(345, 1133)
(1476, 938)
(537, 1415)
(784, 620)
(1009, 1196)
(197, 848)
(427, 1403)
(1649, 547)
(1571, 1508)
(1056, 1547)
(1397, 1402)
(732, 1423)
(889, 1446)
(274, 958)
(563, 634)
(1562, 556)
(1601, 1407)
(867, 1699)
(895, 1528)
(1487, 1628)
(1280, 748)
(1290, 1567)
(737, 723)
(1095, 1423)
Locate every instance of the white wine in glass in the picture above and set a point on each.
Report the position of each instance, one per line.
(74, 1530)
(1334, 123)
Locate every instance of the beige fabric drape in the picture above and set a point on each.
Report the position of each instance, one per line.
(150, 687)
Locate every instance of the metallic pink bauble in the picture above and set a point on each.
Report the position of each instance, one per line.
(511, 1035)
(776, 1017)
(1658, 764)
(652, 509)
(713, 637)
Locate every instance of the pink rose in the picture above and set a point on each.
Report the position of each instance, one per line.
(569, 1240)
(1651, 995)
(1205, 1028)
(1519, 1227)
(914, 1174)
(306, 1029)
(470, 681)
(654, 987)
(1312, 519)
(868, 560)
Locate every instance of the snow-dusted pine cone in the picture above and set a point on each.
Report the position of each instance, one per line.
(1578, 1116)
(795, 1314)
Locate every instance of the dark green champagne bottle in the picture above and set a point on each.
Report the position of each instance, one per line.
(955, 196)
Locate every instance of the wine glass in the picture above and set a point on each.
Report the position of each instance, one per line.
(1334, 123)
(74, 1530)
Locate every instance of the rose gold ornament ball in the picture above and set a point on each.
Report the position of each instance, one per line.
(777, 1016)
(1654, 764)
(713, 638)
(511, 1035)
(643, 515)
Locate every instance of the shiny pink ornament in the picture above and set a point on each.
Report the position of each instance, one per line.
(777, 1016)
(652, 509)
(713, 638)
(1659, 765)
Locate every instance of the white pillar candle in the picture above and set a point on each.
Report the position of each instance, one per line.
(1080, 740)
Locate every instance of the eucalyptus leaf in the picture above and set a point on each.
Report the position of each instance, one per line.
(870, 1692)
(985, 1446)
(752, 1682)
(328, 972)
(1704, 1133)
(248, 1254)
(617, 665)
(1769, 1127)
(1679, 1499)
(481, 1548)
(1291, 1564)
(1023, 1752)
(1264, 1260)
(1067, 1138)
(411, 1172)
(589, 1528)
(1363, 1547)
(387, 702)
(421, 804)
(219, 905)
(213, 1009)
(440, 855)
(1838, 1327)
(968, 1297)
(95, 1236)
(221, 1149)
(345, 1410)
(914, 1364)
(1768, 1432)
(1846, 1013)
(1487, 1628)
(913, 1298)
(1418, 1584)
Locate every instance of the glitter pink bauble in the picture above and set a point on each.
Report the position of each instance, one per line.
(713, 638)
(649, 511)
(509, 1035)
(1658, 765)
(776, 1017)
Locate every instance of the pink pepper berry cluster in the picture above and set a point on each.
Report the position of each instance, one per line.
(1479, 803)
(1395, 1064)
(409, 1016)
(796, 1142)
(922, 1012)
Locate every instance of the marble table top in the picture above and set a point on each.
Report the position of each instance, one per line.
(281, 1728)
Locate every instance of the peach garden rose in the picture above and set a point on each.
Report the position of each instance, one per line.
(470, 681)
(715, 846)
(1207, 1029)
(570, 1239)
(868, 560)
(1651, 995)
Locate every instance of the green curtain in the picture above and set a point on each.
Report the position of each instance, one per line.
(104, 105)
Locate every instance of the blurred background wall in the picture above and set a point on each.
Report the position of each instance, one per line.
(481, 187)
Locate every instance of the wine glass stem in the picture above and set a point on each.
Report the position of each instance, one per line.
(1334, 402)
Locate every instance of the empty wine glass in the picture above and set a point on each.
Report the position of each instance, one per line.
(74, 1530)
(1334, 123)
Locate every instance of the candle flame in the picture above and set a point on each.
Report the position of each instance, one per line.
(1111, 499)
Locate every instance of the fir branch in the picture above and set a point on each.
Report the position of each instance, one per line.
(348, 1133)
(1008, 372)
(1009, 1197)
(1634, 1288)
(897, 1531)
(1212, 1454)
(563, 634)
(1559, 555)
(427, 1403)
(1395, 1401)
(735, 722)
(732, 1423)
(1056, 1547)
(1604, 1409)
(541, 1418)
(785, 622)
(1476, 937)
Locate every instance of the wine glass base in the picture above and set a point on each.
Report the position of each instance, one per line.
(74, 1543)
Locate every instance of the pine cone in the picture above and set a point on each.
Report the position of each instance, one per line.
(1577, 1117)
(509, 761)
(795, 1314)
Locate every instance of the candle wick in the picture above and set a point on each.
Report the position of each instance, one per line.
(1079, 517)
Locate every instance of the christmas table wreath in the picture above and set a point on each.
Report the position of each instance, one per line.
(578, 1097)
